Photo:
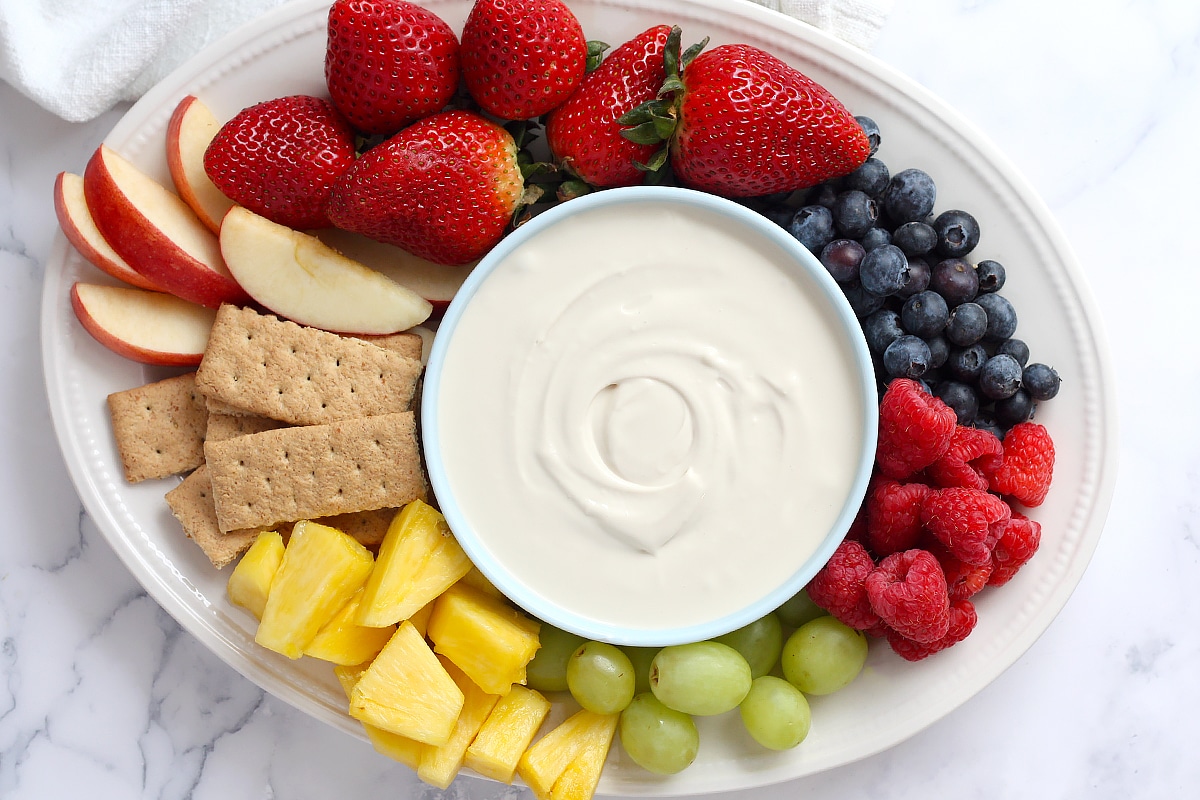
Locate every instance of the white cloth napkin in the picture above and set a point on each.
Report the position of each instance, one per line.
(77, 58)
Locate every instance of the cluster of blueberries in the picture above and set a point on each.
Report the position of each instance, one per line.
(927, 312)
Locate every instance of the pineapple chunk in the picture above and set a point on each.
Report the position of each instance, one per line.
(545, 762)
(439, 765)
(420, 620)
(507, 733)
(250, 580)
(344, 641)
(479, 581)
(484, 637)
(418, 560)
(407, 691)
(321, 569)
(394, 746)
(579, 780)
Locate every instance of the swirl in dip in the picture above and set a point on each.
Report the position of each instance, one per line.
(649, 418)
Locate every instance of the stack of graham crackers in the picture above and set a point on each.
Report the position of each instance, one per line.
(279, 423)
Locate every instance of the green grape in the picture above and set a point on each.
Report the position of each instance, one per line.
(547, 672)
(823, 656)
(657, 738)
(641, 658)
(600, 678)
(702, 678)
(760, 643)
(776, 713)
(799, 610)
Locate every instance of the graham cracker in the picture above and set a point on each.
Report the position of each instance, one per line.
(366, 527)
(159, 427)
(302, 376)
(406, 343)
(192, 504)
(218, 407)
(227, 426)
(306, 472)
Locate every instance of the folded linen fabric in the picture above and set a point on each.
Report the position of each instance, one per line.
(78, 58)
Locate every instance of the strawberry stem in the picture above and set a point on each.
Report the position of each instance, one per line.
(595, 54)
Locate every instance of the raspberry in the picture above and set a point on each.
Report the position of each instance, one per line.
(1014, 548)
(894, 515)
(962, 622)
(915, 429)
(1027, 466)
(974, 453)
(967, 521)
(908, 592)
(963, 580)
(838, 587)
(858, 528)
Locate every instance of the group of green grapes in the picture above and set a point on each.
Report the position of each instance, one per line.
(658, 691)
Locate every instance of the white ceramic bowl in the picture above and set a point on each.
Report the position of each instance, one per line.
(482, 372)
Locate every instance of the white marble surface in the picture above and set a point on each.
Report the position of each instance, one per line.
(104, 696)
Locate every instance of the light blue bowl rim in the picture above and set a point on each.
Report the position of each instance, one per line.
(544, 608)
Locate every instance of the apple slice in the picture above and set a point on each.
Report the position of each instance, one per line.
(191, 128)
(437, 283)
(150, 327)
(155, 232)
(81, 231)
(298, 277)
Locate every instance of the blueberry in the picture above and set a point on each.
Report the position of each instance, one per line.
(841, 258)
(881, 328)
(939, 351)
(955, 280)
(823, 194)
(967, 324)
(957, 233)
(907, 357)
(910, 196)
(1015, 409)
(918, 277)
(1015, 348)
(854, 213)
(965, 363)
(915, 238)
(960, 397)
(989, 424)
(872, 177)
(781, 215)
(876, 237)
(1041, 381)
(1002, 317)
(813, 227)
(924, 314)
(991, 276)
(871, 130)
(1000, 377)
(884, 270)
(862, 302)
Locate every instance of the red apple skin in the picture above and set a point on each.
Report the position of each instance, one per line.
(177, 162)
(122, 348)
(78, 233)
(149, 250)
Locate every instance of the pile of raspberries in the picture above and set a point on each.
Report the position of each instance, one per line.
(937, 525)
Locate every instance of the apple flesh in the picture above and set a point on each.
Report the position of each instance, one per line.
(81, 231)
(149, 327)
(297, 276)
(189, 132)
(437, 283)
(156, 233)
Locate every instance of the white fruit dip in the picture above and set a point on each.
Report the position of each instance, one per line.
(648, 418)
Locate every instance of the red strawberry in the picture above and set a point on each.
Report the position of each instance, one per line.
(749, 124)
(584, 133)
(388, 63)
(444, 188)
(281, 158)
(1027, 466)
(522, 58)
